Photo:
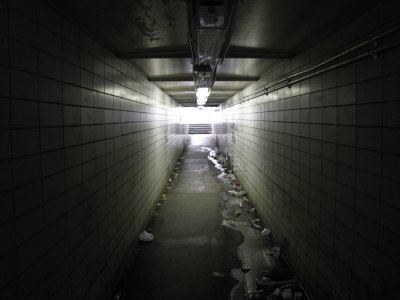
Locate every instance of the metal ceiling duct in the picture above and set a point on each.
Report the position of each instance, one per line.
(210, 28)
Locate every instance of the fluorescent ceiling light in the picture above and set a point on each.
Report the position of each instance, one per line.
(203, 92)
(202, 95)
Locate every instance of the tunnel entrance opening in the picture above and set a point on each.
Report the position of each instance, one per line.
(194, 115)
(199, 120)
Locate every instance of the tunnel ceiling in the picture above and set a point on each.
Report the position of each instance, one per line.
(152, 34)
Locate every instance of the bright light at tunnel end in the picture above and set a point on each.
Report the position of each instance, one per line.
(198, 115)
(202, 95)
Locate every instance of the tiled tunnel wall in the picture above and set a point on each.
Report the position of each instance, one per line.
(86, 147)
(321, 162)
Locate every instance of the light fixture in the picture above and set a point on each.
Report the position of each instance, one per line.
(210, 24)
(202, 94)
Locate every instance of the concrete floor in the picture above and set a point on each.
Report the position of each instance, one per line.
(190, 242)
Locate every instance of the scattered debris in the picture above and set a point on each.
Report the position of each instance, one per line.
(256, 295)
(283, 294)
(275, 252)
(226, 222)
(256, 226)
(256, 223)
(237, 193)
(266, 233)
(231, 177)
(146, 236)
(218, 274)
(264, 280)
(278, 280)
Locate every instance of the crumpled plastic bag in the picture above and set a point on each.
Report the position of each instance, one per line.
(146, 236)
(266, 233)
(237, 194)
(275, 252)
(256, 223)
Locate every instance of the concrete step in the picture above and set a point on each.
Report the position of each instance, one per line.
(200, 129)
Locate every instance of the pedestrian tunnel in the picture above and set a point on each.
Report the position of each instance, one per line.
(253, 147)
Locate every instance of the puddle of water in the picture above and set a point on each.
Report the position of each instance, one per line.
(201, 139)
(252, 252)
(206, 149)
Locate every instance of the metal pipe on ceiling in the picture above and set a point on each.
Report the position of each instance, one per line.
(341, 54)
(287, 82)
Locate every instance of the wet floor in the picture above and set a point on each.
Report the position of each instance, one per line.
(209, 242)
(190, 243)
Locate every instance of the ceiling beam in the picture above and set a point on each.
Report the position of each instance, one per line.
(193, 95)
(184, 52)
(246, 52)
(190, 78)
(156, 53)
(191, 89)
